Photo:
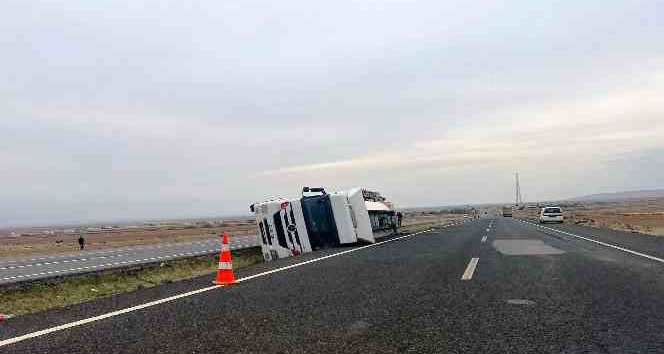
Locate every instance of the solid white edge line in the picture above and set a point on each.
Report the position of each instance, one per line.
(470, 269)
(101, 317)
(601, 243)
(172, 298)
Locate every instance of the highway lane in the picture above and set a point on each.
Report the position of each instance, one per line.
(650, 244)
(530, 291)
(17, 270)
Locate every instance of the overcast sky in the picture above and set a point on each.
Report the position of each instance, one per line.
(162, 109)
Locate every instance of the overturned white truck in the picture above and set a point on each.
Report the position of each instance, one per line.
(317, 219)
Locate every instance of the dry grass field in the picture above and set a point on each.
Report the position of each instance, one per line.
(39, 243)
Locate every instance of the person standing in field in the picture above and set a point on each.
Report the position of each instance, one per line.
(81, 242)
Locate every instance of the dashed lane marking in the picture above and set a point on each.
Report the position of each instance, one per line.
(191, 293)
(107, 264)
(89, 259)
(470, 269)
(89, 254)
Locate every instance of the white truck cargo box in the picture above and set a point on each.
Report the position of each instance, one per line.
(360, 216)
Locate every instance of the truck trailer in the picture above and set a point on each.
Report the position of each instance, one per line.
(317, 220)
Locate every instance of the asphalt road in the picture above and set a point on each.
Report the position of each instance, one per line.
(487, 286)
(18, 270)
(650, 244)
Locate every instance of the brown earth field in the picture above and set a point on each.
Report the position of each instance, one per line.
(643, 216)
(29, 245)
(40, 244)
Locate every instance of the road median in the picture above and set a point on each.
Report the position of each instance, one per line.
(37, 296)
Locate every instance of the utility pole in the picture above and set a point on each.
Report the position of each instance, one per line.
(517, 196)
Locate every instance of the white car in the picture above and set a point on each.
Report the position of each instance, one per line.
(551, 214)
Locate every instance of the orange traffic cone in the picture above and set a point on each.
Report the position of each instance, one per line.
(225, 274)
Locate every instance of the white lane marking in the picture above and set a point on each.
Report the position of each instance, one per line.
(101, 317)
(470, 269)
(65, 261)
(136, 248)
(487, 230)
(173, 298)
(602, 243)
(107, 265)
(484, 239)
(328, 256)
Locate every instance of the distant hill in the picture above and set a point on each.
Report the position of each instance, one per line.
(601, 197)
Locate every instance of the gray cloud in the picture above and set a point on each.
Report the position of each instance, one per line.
(116, 110)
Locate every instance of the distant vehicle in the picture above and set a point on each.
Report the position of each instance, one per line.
(507, 212)
(551, 214)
